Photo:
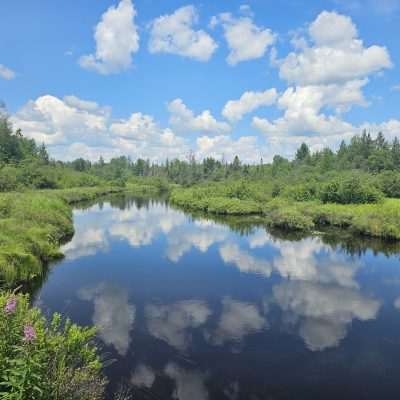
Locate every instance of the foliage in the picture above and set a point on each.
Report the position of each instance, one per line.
(349, 190)
(57, 361)
(32, 226)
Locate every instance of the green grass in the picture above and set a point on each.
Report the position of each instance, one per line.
(32, 227)
(375, 220)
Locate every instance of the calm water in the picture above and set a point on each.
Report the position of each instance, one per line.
(194, 309)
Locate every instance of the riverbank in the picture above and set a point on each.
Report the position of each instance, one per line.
(380, 220)
(33, 225)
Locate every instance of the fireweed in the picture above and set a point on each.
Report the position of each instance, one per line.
(55, 360)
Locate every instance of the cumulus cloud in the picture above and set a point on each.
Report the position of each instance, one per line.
(303, 107)
(335, 55)
(246, 40)
(73, 127)
(174, 34)
(113, 315)
(184, 120)
(53, 121)
(234, 110)
(6, 73)
(223, 147)
(329, 70)
(117, 39)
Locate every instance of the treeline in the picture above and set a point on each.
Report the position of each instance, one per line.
(363, 154)
(371, 161)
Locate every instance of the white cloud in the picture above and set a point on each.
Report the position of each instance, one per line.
(184, 120)
(116, 39)
(246, 41)
(223, 147)
(336, 55)
(234, 110)
(395, 88)
(6, 73)
(54, 121)
(73, 127)
(113, 316)
(175, 34)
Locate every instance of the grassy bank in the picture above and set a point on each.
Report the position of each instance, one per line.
(32, 227)
(376, 220)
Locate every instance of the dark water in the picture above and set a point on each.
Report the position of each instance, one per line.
(193, 309)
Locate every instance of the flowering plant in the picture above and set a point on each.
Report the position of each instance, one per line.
(40, 360)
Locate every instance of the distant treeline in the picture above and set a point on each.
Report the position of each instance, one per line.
(24, 163)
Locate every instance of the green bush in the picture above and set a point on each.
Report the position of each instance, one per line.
(302, 192)
(349, 190)
(221, 205)
(389, 183)
(42, 361)
(290, 218)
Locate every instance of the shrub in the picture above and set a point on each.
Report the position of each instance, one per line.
(221, 205)
(57, 361)
(302, 192)
(290, 218)
(239, 190)
(350, 190)
(389, 183)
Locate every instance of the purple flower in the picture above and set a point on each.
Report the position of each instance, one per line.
(10, 306)
(29, 333)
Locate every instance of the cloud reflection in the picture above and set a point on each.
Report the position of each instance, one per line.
(113, 315)
(85, 242)
(323, 312)
(140, 226)
(143, 376)
(189, 385)
(173, 323)
(245, 262)
(201, 235)
(238, 319)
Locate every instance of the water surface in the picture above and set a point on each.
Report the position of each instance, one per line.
(193, 309)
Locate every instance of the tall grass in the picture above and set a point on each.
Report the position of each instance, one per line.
(380, 219)
(32, 227)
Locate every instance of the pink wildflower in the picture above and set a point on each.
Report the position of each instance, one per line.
(29, 333)
(10, 306)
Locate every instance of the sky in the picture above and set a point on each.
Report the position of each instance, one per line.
(163, 79)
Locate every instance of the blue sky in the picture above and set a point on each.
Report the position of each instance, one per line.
(157, 79)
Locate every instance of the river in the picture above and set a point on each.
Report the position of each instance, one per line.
(191, 308)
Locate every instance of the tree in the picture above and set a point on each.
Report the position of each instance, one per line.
(303, 153)
(236, 164)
